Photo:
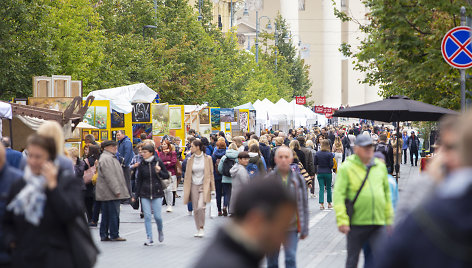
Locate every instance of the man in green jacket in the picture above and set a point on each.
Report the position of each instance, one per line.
(372, 209)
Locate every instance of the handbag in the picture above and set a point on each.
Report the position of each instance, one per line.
(134, 204)
(88, 174)
(166, 182)
(350, 204)
(84, 250)
(178, 169)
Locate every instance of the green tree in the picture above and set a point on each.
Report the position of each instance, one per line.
(402, 50)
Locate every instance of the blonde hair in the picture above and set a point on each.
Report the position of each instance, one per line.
(337, 143)
(52, 129)
(279, 141)
(264, 140)
(309, 143)
(73, 152)
(251, 142)
(233, 146)
(294, 145)
(325, 145)
(221, 139)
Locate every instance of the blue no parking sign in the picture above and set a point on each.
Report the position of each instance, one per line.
(456, 47)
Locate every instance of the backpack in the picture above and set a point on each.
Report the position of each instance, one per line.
(227, 165)
(252, 170)
(88, 174)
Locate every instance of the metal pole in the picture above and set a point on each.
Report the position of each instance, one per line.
(276, 45)
(257, 36)
(11, 133)
(462, 71)
(200, 17)
(231, 13)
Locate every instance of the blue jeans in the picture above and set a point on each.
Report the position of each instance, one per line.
(110, 224)
(227, 194)
(290, 248)
(219, 193)
(97, 205)
(156, 205)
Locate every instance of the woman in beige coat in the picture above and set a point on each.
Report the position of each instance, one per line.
(199, 183)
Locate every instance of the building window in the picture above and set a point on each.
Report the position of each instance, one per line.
(301, 5)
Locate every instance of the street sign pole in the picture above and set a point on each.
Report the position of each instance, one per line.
(462, 71)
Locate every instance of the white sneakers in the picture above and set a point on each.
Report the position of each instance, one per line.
(200, 233)
(169, 209)
(149, 242)
(190, 213)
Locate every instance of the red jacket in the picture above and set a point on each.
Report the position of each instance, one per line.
(169, 157)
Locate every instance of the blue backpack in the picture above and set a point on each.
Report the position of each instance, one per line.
(252, 170)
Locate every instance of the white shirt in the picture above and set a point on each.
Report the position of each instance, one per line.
(198, 169)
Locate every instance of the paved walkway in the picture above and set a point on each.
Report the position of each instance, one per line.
(325, 246)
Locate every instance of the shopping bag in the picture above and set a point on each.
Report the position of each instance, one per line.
(213, 209)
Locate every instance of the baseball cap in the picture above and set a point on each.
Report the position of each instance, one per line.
(363, 140)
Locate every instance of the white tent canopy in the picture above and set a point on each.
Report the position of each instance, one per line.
(5, 110)
(121, 97)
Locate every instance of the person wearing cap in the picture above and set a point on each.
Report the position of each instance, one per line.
(110, 189)
(414, 146)
(373, 207)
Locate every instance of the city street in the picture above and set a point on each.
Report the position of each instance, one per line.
(325, 246)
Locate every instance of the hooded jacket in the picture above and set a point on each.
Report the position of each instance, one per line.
(148, 182)
(374, 205)
(232, 154)
(240, 177)
(265, 151)
(218, 154)
(255, 158)
(125, 150)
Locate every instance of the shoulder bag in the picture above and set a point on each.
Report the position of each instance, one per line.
(350, 204)
(84, 250)
(88, 174)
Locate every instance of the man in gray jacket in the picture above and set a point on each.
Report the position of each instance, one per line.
(110, 189)
(300, 222)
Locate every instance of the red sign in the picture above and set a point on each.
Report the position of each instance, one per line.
(328, 110)
(329, 116)
(319, 109)
(301, 100)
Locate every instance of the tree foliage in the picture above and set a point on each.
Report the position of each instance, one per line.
(402, 51)
(104, 44)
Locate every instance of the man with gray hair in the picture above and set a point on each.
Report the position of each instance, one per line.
(296, 185)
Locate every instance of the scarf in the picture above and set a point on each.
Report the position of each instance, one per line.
(30, 201)
(149, 160)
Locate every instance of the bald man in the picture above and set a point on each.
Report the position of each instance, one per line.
(8, 175)
(295, 183)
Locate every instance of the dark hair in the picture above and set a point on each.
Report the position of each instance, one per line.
(254, 137)
(383, 137)
(191, 139)
(351, 132)
(143, 136)
(221, 133)
(214, 138)
(243, 155)
(254, 148)
(191, 131)
(264, 195)
(94, 151)
(205, 141)
(199, 144)
(148, 147)
(46, 143)
(301, 141)
(121, 131)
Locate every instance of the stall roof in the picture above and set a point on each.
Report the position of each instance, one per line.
(121, 97)
(248, 106)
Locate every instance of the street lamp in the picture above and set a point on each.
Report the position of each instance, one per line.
(246, 11)
(148, 26)
(269, 27)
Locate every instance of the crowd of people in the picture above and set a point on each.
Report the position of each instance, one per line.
(262, 182)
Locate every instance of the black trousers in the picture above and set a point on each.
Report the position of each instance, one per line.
(415, 153)
(405, 156)
(357, 238)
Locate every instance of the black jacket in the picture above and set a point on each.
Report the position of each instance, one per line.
(46, 245)
(272, 156)
(265, 151)
(324, 162)
(301, 158)
(148, 181)
(228, 253)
